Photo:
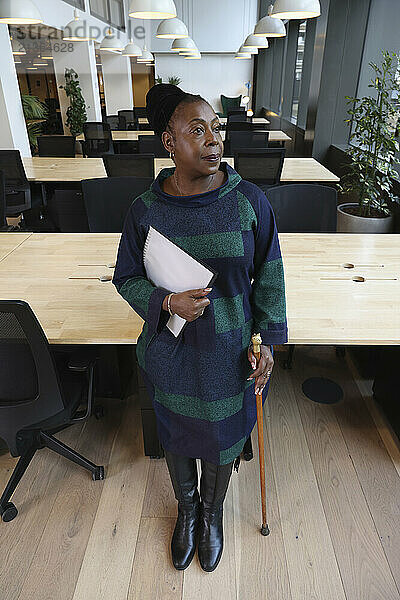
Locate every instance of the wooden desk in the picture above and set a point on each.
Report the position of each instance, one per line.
(40, 169)
(133, 136)
(10, 241)
(324, 305)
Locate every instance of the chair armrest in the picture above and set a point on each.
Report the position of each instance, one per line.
(81, 360)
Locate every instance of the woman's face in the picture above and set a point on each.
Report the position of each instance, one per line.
(196, 140)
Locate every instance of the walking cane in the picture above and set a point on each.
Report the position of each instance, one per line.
(256, 340)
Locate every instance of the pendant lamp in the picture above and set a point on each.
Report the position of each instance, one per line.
(195, 56)
(76, 30)
(152, 9)
(296, 9)
(172, 29)
(19, 12)
(241, 53)
(131, 49)
(17, 47)
(253, 41)
(146, 56)
(111, 43)
(183, 44)
(269, 26)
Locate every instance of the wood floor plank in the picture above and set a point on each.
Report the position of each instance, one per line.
(159, 500)
(375, 470)
(221, 583)
(260, 561)
(67, 530)
(153, 575)
(362, 562)
(107, 564)
(34, 499)
(312, 567)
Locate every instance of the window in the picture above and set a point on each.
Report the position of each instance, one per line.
(110, 11)
(301, 38)
(76, 3)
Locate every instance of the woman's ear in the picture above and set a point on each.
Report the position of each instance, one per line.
(168, 142)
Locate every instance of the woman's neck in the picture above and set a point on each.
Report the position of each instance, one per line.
(184, 184)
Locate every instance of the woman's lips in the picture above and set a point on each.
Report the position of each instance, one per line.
(212, 157)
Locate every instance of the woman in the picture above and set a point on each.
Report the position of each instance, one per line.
(201, 383)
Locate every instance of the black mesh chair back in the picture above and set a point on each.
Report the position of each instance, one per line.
(29, 385)
(3, 222)
(57, 145)
(139, 112)
(151, 144)
(240, 110)
(129, 165)
(304, 208)
(116, 122)
(234, 117)
(17, 189)
(98, 139)
(108, 199)
(129, 116)
(67, 212)
(247, 139)
(260, 166)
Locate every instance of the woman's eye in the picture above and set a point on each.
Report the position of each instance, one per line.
(198, 130)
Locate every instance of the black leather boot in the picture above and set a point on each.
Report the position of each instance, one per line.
(183, 473)
(213, 487)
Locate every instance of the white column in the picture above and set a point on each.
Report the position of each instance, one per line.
(81, 58)
(117, 79)
(13, 134)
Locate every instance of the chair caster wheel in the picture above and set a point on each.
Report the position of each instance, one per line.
(9, 512)
(98, 474)
(99, 412)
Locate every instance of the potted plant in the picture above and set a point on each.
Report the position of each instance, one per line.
(35, 113)
(76, 112)
(373, 151)
(174, 80)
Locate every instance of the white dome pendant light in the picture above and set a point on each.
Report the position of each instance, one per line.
(76, 30)
(19, 12)
(146, 56)
(269, 26)
(132, 49)
(252, 41)
(296, 9)
(111, 43)
(196, 56)
(152, 9)
(172, 29)
(183, 44)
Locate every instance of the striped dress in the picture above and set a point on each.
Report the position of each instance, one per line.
(204, 405)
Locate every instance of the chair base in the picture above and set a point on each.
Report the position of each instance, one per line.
(39, 440)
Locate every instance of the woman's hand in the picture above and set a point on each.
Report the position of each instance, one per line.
(189, 305)
(263, 372)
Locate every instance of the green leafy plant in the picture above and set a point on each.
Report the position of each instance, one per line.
(76, 112)
(158, 80)
(373, 144)
(174, 80)
(35, 113)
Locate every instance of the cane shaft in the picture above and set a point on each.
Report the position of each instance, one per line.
(260, 431)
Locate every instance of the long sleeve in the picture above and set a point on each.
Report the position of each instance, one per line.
(268, 288)
(130, 275)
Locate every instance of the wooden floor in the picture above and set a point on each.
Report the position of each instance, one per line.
(333, 481)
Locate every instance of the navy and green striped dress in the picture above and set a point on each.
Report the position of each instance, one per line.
(204, 405)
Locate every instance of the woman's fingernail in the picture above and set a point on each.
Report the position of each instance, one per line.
(249, 378)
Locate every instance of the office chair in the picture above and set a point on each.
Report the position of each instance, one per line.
(260, 166)
(139, 111)
(116, 122)
(67, 211)
(17, 188)
(129, 165)
(229, 103)
(3, 221)
(107, 200)
(239, 140)
(98, 139)
(234, 117)
(303, 208)
(57, 145)
(44, 400)
(151, 144)
(130, 118)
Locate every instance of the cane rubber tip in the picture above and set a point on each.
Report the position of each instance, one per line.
(265, 530)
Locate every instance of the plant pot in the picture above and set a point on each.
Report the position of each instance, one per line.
(348, 223)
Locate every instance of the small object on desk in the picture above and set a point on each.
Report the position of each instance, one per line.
(101, 278)
(109, 265)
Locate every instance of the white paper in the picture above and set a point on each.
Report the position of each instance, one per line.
(170, 267)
